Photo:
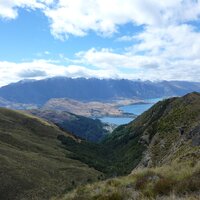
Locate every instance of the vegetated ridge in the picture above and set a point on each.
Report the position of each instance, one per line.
(162, 146)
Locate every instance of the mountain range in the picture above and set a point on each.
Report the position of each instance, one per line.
(40, 91)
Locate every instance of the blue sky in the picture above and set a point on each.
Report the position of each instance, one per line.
(134, 39)
(29, 37)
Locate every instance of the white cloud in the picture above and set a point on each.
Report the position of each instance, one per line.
(80, 71)
(172, 42)
(9, 8)
(154, 65)
(102, 16)
(106, 59)
(77, 17)
(40, 69)
(12, 72)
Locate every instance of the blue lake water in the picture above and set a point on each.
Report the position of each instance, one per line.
(116, 120)
(136, 109)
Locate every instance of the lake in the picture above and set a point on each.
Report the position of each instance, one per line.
(116, 120)
(136, 109)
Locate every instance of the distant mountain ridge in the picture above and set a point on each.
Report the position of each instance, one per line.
(82, 89)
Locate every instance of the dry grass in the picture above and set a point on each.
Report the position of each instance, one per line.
(164, 183)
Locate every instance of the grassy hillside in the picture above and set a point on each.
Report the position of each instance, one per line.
(33, 163)
(152, 139)
(174, 182)
(163, 145)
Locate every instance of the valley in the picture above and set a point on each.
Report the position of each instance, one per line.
(162, 162)
(146, 152)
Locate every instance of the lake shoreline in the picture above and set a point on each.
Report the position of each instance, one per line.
(129, 112)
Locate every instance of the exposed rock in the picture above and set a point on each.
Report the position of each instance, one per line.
(146, 161)
(145, 139)
(194, 134)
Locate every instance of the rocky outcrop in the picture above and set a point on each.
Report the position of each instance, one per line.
(194, 135)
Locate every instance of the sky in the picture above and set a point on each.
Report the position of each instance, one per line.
(133, 39)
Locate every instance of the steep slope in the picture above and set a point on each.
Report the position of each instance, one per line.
(163, 144)
(33, 163)
(83, 127)
(39, 92)
(152, 139)
(167, 131)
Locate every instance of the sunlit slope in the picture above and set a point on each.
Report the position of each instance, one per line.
(161, 148)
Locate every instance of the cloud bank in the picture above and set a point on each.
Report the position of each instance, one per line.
(40, 69)
(102, 16)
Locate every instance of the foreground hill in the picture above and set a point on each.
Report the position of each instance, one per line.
(33, 163)
(39, 92)
(162, 146)
(174, 182)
